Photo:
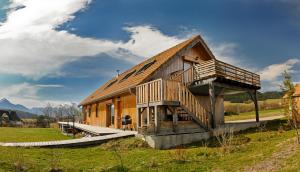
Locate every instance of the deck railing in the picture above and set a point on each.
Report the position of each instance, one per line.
(157, 91)
(216, 68)
(160, 91)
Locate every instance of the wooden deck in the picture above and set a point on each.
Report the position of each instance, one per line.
(95, 130)
(215, 68)
(110, 134)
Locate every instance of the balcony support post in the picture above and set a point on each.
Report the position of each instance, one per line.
(212, 104)
(253, 96)
(156, 120)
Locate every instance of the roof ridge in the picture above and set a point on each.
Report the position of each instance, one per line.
(161, 57)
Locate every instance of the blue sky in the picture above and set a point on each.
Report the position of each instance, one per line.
(61, 50)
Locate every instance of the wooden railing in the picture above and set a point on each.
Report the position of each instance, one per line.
(184, 77)
(172, 91)
(149, 92)
(216, 68)
(191, 104)
(157, 91)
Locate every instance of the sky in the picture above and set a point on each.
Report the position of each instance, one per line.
(60, 51)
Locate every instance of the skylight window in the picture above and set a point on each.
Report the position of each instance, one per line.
(110, 84)
(146, 66)
(127, 76)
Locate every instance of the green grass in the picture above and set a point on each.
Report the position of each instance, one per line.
(292, 163)
(249, 147)
(8, 134)
(251, 115)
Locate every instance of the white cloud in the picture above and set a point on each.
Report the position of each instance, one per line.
(272, 72)
(31, 46)
(271, 75)
(27, 94)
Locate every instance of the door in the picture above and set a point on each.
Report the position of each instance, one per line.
(110, 115)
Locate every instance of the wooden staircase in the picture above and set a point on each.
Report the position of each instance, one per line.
(190, 107)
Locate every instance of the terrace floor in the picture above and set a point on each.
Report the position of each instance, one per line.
(104, 134)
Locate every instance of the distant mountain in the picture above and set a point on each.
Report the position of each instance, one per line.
(22, 111)
(6, 104)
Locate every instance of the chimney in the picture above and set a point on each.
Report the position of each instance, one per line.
(118, 73)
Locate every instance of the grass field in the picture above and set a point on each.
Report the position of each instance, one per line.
(30, 134)
(245, 150)
(251, 115)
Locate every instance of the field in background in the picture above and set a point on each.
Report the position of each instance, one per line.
(251, 115)
(241, 111)
(248, 106)
(133, 154)
(9, 134)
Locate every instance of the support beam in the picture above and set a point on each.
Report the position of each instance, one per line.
(175, 121)
(148, 116)
(138, 117)
(253, 96)
(256, 106)
(212, 104)
(156, 120)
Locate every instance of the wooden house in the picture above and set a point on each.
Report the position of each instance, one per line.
(180, 90)
(296, 97)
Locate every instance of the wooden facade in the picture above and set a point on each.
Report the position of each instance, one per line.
(180, 90)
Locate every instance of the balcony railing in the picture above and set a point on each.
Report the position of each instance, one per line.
(216, 68)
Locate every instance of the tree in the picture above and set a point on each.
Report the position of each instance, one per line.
(48, 112)
(73, 113)
(289, 103)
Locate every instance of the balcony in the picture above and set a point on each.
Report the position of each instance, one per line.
(217, 69)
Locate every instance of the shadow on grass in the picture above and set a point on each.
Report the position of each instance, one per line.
(117, 168)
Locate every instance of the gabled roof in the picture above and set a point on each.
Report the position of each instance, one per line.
(117, 86)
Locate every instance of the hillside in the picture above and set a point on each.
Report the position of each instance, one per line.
(242, 97)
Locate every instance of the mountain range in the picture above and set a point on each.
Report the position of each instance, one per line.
(22, 111)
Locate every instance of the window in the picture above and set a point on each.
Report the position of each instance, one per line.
(127, 76)
(146, 66)
(97, 110)
(110, 84)
(90, 112)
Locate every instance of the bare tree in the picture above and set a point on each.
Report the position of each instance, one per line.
(48, 112)
(289, 104)
(73, 113)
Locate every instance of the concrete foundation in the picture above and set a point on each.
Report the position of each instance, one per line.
(171, 141)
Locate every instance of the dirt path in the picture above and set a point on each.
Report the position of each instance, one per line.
(273, 163)
(261, 119)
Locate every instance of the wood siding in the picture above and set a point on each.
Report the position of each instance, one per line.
(123, 105)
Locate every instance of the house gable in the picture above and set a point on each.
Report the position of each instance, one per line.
(134, 76)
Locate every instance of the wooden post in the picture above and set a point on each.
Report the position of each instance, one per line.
(138, 118)
(175, 119)
(212, 104)
(253, 96)
(156, 121)
(148, 115)
(256, 106)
